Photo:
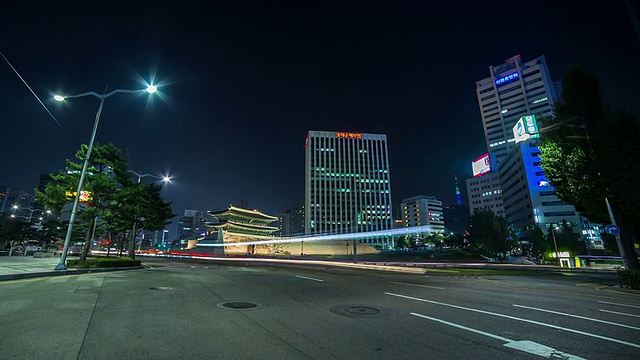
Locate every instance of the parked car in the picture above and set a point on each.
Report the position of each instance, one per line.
(30, 246)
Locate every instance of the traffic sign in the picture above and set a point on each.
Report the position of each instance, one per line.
(612, 229)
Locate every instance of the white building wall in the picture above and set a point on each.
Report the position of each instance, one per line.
(423, 210)
(485, 192)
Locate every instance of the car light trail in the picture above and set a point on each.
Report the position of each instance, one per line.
(340, 237)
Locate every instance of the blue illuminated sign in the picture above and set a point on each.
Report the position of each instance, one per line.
(506, 79)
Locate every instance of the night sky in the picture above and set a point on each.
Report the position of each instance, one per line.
(241, 83)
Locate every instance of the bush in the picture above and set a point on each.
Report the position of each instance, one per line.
(629, 279)
(104, 262)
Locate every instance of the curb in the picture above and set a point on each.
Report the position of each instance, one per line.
(65, 272)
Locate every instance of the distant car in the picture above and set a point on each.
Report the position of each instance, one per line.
(74, 250)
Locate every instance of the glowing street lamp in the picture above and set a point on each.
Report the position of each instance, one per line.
(150, 89)
(31, 211)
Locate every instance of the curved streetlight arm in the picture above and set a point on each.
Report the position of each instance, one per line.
(140, 176)
(100, 96)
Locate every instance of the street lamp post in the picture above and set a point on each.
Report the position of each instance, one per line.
(150, 89)
(555, 244)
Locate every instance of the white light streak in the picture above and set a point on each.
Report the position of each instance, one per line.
(340, 237)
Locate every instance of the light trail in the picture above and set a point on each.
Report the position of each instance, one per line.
(339, 237)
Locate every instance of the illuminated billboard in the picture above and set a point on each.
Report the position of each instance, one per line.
(482, 165)
(85, 196)
(526, 128)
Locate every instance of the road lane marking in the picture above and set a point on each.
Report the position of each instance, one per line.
(518, 319)
(524, 345)
(619, 313)
(497, 337)
(612, 303)
(417, 285)
(308, 278)
(594, 285)
(578, 316)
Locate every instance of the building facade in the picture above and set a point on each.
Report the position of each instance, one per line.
(423, 210)
(485, 192)
(529, 199)
(290, 222)
(347, 184)
(513, 89)
(192, 225)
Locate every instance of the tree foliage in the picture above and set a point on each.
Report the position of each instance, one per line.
(490, 232)
(116, 202)
(592, 153)
(136, 207)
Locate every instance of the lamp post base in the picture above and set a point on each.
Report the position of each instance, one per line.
(61, 267)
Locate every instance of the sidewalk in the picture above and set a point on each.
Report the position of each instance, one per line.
(22, 267)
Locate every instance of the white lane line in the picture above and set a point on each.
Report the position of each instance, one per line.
(619, 313)
(612, 303)
(518, 319)
(417, 285)
(578, 316)
(308, 278)
(525, 345)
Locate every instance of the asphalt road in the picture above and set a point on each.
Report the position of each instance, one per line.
(199, 310)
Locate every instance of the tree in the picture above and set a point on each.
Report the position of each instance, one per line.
(16, 231)
(136, 207)
(106, 172)
(490, 232)
(51, 231)
(593, 154)
(402, 241)
(569, 241)
(539, 244)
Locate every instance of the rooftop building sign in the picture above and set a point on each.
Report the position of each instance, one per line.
(349, 135)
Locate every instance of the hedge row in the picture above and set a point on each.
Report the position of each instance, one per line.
(629, 279)
(104, 262)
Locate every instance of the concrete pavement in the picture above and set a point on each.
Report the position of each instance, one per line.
(21, 267)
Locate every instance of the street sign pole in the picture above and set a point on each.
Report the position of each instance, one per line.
(616, 231)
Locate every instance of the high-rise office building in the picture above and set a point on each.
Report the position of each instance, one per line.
(513, 89)
(423, 210)
(347, 184)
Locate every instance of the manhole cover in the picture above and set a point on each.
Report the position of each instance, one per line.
(164, 288)
(362, 310)
(239, 305)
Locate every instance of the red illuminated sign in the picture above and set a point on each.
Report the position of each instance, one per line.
(481, 165)
(349, 135)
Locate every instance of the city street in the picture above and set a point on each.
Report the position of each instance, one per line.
(179, 309)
